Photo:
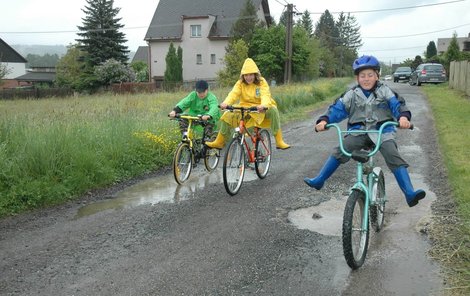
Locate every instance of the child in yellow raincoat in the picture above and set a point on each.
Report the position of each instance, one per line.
(249, 91)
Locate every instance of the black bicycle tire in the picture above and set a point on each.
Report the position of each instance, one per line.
(235, 142)
(377, 211)
(209, 153)
(183, 146)
(355, 256)
(264, 134)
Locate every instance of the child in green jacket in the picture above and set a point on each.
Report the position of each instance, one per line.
(199, 102)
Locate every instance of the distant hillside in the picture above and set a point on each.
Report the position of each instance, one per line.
(41, 50)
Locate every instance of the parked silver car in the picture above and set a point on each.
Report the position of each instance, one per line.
(428, 73)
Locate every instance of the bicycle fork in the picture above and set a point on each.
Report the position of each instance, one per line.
(365, 190)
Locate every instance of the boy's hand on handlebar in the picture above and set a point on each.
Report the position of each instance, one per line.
(404, 123)
(223, 106)
(172, 114)
(205, 117)
(321, 126)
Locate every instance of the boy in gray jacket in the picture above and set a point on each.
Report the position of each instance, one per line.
(366, 107)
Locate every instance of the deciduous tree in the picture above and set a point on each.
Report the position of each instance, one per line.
(69, 69)
(113, 71)
(236, 53)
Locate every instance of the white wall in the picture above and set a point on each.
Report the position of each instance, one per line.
(16, 69)
(191, 47)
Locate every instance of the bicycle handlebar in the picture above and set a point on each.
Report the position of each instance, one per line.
(244, 109)
(379, 132)
(197, 119)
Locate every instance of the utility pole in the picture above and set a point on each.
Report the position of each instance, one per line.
(289, 26)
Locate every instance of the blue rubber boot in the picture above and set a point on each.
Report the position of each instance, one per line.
(326, 171)
(403, 179)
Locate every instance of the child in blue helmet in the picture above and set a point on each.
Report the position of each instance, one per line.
(366, 106)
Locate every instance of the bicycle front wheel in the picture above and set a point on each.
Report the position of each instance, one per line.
(182, 163)
(263, 154)
(355, 239)
(234, 166)
(377, 210)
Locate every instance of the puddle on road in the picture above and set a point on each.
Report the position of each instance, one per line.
(162, 189)
(326, 218)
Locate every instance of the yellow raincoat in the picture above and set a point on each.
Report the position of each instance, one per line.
(249, 95)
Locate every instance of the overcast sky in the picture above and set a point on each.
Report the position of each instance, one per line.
(392, 34)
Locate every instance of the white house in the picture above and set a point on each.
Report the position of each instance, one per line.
(14, 62)
(201, 28)
(443, 44)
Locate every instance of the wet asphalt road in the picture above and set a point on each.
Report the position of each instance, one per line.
(156, 238)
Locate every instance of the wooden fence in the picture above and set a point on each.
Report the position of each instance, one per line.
(459, 76)
(34, 93)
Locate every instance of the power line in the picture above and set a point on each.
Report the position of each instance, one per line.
(391, 9)
(403, 48)
(418, 34)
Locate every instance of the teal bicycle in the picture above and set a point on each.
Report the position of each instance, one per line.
(366, 201)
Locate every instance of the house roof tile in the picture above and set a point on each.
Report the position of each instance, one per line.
(37, 77)
(142, 54)
(166, 22)
(9, 55)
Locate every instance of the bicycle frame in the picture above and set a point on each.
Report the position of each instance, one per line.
(242, 132)
(360, 172)
(240, 152)
(195, 149)
(188, 135)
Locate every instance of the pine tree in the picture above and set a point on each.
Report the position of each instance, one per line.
(453, 51)
(246, 23)
(100, 35)
(172, 71)
(306, 23)
(180, 63)
(349, 32)
(326, 31)
(431, 50)
(349, 43)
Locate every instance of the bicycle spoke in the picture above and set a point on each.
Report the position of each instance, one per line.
(263, 154)
(234, 167)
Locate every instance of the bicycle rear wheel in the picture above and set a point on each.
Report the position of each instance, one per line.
(182, 163)
(211, 158)
(355, 239)
(234, 166)
(377, 211)
(263, 154)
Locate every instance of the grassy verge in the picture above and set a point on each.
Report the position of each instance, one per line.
(451, 110)
(54, 150)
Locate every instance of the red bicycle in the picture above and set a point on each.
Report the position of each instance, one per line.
(248, 146)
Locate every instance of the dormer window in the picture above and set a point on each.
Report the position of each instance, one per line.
(195, 31)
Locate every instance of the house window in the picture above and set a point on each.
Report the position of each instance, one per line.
(213, 58)
(199, 59)
(195, 30)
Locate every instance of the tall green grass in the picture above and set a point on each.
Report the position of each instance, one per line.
(451, 110)
(54, 150)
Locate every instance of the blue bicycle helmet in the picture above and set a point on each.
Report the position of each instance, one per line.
(366, 62)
